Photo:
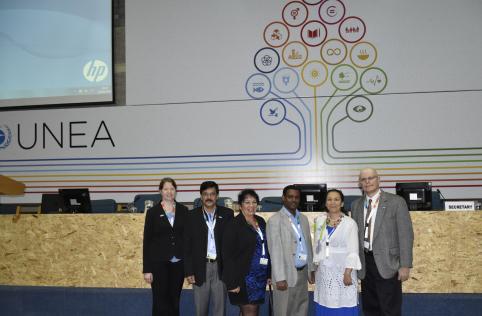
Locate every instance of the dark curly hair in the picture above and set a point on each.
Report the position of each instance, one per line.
(245, 193)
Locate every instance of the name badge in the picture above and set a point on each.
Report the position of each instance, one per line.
(263, 261)
(210, 256)
(303, 257)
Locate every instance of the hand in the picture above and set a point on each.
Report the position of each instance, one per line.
(191, 279)
(311, 277)
(282, 285)
(403, 274)
(347, 280)
(236, 290)
(269, 281)
(148, 277)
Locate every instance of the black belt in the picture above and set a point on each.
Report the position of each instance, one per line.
(211, 260)
(299, 269)
(368, 252)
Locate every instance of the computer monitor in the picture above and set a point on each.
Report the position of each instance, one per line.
(418, 195)
(51, 203)
(312, 197)
(75, 200)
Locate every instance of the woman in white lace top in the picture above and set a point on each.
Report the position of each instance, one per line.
(336, 257)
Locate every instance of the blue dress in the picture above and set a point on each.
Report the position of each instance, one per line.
(255, 280)
(243, 264)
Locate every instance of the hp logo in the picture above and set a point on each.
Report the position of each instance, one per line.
(95, 70)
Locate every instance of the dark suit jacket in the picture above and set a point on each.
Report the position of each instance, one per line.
(392, 235)
(161, 240)
(239, 244)
(196, 241)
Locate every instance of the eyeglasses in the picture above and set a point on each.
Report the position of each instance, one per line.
(368, 179)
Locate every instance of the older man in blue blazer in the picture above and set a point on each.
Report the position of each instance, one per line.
(386, 243)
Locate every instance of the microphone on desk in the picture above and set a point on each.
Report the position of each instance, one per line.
(440, 192)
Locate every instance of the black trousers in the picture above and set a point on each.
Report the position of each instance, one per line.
(380, 297)
(166, 287)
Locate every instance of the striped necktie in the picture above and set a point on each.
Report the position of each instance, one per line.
(368, 223)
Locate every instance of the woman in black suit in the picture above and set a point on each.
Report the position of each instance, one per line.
(246, 258)
(163, 250)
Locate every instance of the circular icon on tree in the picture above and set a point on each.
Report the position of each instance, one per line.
(363, 54)
(295, 54)
(295, 13)
(286, 80)
(313, 33)
(314, 73)
(272, 112)
(266, 60)
(258, 86)
(344, 77)
(276, 34)
(333, 51)
(373, 80)
(359, 109)
(331, 11)
(352, 29)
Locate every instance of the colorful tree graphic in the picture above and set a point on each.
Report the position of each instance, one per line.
(316, 51)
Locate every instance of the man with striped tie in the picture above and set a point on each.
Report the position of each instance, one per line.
(386, 242)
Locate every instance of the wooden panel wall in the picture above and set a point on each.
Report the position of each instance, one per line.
(105, 250)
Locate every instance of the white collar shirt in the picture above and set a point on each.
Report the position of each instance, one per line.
(375, 202)
(210, 218)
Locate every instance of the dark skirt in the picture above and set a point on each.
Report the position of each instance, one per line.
(253, 289)
(242, 298)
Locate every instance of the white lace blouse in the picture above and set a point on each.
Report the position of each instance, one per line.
(332, 260)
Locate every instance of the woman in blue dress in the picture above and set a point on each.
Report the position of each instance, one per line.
(245, 256)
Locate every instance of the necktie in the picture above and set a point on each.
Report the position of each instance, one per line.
(368, 223)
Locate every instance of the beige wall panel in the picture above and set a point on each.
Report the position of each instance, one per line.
(105, 250)
(97, 250)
